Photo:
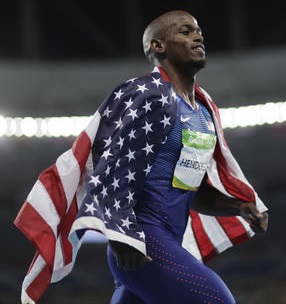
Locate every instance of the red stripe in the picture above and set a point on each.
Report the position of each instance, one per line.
(65, 230)
(233, 185)
(40, 284)
(51, 180)
(81, 149)
(234, 229)
(37, 230)
(205, 245)
(33, 261)
(164, 75)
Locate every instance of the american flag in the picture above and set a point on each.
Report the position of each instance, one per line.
(96, 184)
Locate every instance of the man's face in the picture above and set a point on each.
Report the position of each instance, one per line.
(184, 42)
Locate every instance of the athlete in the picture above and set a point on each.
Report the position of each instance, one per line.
(176, 183)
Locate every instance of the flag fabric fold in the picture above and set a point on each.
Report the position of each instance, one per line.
(96, 184)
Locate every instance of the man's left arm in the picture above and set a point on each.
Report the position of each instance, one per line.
(210, 201)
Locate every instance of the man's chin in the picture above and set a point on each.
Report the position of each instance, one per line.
(200, 63)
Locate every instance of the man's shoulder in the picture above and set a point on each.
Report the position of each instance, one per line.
(149, 83)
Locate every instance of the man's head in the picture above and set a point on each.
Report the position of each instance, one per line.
(174, 37)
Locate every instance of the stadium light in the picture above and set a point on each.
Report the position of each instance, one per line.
(240, 117)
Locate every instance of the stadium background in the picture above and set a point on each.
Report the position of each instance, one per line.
(60, 58)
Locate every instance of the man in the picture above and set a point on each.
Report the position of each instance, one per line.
(174, 43)
(158, 158)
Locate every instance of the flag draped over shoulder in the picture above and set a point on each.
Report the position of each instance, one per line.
(96, 184)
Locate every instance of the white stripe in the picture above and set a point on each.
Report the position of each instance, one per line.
(70, 175)
(81, 190)
(189, 241)
(42, 203)
(67, 164)
(59, 255)
(212, 173)
(246, 226)
(25, 299)
(59, 274)
(60, 270)
(215, 232)
(69, 172)
(92, 222)
(259, 204)
(92, 126)
(232, 165)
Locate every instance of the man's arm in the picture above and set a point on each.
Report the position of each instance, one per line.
(210, 201)
(127, 257)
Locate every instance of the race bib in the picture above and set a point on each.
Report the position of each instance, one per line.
(195, 157)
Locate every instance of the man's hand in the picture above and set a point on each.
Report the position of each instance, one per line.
(258, 221)
(127, 257)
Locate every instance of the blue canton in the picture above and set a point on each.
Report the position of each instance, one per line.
(135, 120)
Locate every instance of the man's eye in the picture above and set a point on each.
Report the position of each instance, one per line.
(186, 33)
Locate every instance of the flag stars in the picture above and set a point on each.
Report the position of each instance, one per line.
(133, 113)
(132, 134)
(130, 196)
(118, 123)
(132, 79)
(120, 229)
(106, 154)
(142, 88)
(117, 165)
(128, 103)
(126, 223)
(165, 121)
(115, 183)
(148, 149)
(163, 100)
(130, 176)
(147, 106)
(147, 127)
(107, 141)
(107, 186)
(118, 94)
(106, 112)
(147, 170)
(130, 155)
(120, 142)
(107, 170)
(107, 213)
(174, 95)
(104, 191)
(95, 200)
(141, 235)
(116, 204)
(95, 180)
(157, 81)
(90, 208)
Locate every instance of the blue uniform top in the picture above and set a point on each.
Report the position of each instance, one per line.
(162, 204)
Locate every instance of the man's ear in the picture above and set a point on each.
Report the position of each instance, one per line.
(157, 46)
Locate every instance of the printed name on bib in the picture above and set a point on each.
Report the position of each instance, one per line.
(195, 157)
(194, 164)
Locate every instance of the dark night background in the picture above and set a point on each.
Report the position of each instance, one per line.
(61, 57)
